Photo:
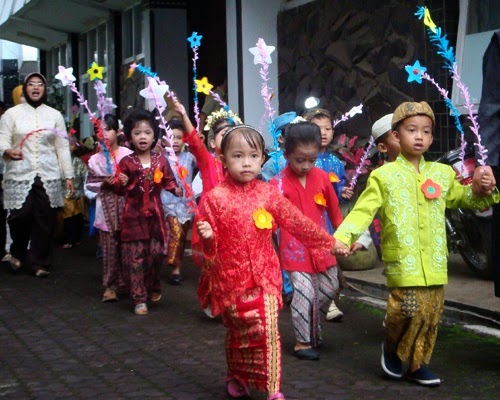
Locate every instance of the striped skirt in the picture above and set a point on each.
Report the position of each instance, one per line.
(253, 342)
(310, 293)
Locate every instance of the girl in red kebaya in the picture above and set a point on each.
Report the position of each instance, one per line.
(235, 222)
(144, 233)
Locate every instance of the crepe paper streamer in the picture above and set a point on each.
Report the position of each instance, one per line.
(483, 156)
(351, 113)
(362, 162)
(60, 133)
(195, 41)
(65, 75)
(437, 38)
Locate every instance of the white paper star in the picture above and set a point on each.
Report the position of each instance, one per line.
(355, 110)
(100, 88)
(65, 75)
(154, 94)
(258, 54)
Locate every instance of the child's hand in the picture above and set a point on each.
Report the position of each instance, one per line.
(205, 230)
(483, 182)
(347, 193)
(178, 191)
(340, 249)
(109, 181)
(123, 179)
(356, 247)
(179, 108)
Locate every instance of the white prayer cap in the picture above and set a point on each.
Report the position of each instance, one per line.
(381, 126)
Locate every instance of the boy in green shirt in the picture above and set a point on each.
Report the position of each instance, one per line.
(411, 196)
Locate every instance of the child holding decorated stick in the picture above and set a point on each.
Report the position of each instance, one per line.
(411, 195)
(108, 210)
(142, 175)
(246, 279)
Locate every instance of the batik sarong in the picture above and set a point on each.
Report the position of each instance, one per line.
(253, 342)
(413, 316)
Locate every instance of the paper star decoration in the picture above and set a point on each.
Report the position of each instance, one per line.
(154, 93)
(355, 110)
(195, 39)
(65, 75)
(257, 56)
(100, 88)
(131, 70)
(203, 86)
(95, 71)
(415, 72)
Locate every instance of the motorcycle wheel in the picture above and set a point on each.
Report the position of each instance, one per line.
(476, 244)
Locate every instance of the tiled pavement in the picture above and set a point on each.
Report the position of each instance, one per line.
(59, 341)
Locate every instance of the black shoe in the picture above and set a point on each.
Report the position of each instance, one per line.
(391, 364)
(423, 377)
(307, 354)
(175, 279)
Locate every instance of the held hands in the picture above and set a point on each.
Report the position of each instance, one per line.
(14, 154)
(109, 181)
(347, 193)
(70, 187)
(356, 247)
(123, 179)
(483, 181)
(205, 230)
(340, 249)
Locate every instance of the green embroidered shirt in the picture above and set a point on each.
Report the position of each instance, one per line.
(414, 247)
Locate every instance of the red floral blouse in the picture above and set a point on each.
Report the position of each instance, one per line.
(241, 254)
(143, 213)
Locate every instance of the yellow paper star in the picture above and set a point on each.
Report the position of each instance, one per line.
(95, 71)
(428, 20)
(203, 86)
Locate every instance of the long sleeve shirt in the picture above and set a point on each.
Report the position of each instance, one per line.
(414, 247)
(241, 254)
(143, 217)
(45, 154)
(312, 200)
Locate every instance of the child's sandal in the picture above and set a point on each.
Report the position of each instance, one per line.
(276, 396)
(235, 389)
(141, 309)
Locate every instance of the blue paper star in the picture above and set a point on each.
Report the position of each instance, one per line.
(195, 39)
(415, 72)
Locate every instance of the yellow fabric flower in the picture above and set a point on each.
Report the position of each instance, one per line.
(157, 176)
(203, 86)
(262, 219)
(320, 199)
(95, 71)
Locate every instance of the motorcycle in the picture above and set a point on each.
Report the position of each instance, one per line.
(469, 231)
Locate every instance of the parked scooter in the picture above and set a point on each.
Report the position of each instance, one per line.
(469, 231)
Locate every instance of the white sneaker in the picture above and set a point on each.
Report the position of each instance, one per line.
(334, 314)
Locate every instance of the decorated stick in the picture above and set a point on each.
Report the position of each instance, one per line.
(155, 91)
(194, 40)
(444, 50)
(351, 113)
(362, 162)
(65, 75)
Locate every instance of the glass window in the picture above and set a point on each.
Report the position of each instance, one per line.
(127, 34)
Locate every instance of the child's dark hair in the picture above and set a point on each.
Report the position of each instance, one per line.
(134, 117)
(252, 136)
(111, 122)
(176, 124)
(302, 133)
